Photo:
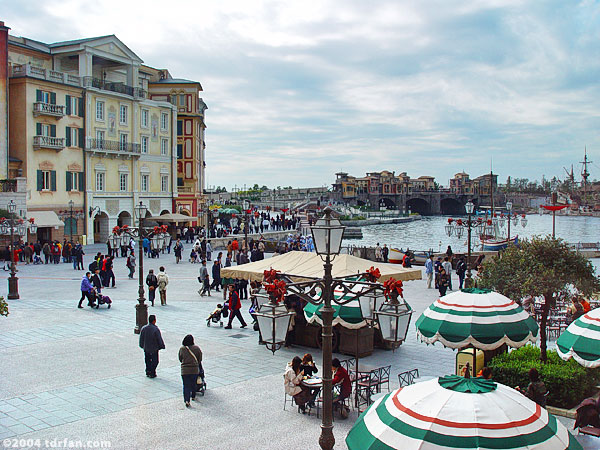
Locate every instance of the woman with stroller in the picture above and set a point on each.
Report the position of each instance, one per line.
(190, 357)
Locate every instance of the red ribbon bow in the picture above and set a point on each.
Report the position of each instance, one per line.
(373, 274)
(392, 285)
(276, 290)
(270, 275)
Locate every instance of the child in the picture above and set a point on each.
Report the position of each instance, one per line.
(215, 316)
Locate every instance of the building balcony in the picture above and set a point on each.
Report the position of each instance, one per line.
(48, 109)
(113, 147)
(113, 86)
(27, 70)
(48, 142)
(8, 185)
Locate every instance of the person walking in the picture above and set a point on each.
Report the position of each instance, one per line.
(97, 283)
(178, 250)
(80, 254)
(204, 279)
(162, 280)
(216, 272)
(208, 251)
(234, 307)
(442, 281)
(190, 357)
(131, 264)
(378, 253)
(461, 269)
(447, 265)
(152, 283)
(384, 253)
(46, 252)
(86, 290)
(110, 275)
(151, 342)
(429, 271)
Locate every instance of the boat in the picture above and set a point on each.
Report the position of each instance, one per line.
(494, 245)
(418, 258)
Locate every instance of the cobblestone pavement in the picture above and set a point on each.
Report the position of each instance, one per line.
(78, 374)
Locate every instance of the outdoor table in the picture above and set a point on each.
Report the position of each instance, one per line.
(312, 383)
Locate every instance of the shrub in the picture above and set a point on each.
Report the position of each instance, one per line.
(3, 307)
(568, 382)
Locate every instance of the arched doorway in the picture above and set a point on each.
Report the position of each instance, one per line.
(387, 203)
(101, 227)
(418, 205)
(451, 207)
(165, 211)
(124, 219)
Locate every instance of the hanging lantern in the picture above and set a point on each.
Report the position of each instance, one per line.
(449, 227)
(114, 240)
(4, 228)
(523, 221)
(273, 322)
(515, 220)
(459, 231)
(393, 318)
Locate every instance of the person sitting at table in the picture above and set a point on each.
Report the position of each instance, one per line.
(309, 368)
(340, 376)
(292, 379)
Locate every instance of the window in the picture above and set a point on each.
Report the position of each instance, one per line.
(123, 142)
(144, 144)
(73, 181)
(100, 110)
(100, 136)
(99, 181)
(164, 122)
(145, 118)
(123, 182)
(181, 100)
(74, 137)
(145, 180)
(74, 106)
(123, 115)
(46, 184)
(164, 147)
(45, 130)
(179, 127)
(164, 183)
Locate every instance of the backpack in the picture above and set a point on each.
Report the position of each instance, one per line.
(93, 265)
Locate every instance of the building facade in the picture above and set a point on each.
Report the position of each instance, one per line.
(348, 187)
(191, 164)
(86, 134)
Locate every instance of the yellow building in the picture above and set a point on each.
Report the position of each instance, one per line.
(82, 107)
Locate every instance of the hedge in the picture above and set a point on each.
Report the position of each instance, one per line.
(568, 383)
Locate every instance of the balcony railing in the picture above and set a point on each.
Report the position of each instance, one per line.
(106, 146)
(27, 70)
(49, 142)
(8, 185)
(114, 86)
(48, 109)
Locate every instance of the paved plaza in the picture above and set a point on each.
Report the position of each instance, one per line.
(78, 374)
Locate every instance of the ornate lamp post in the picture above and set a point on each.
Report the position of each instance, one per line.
(246, 207)
(456, 227)
(327, 237)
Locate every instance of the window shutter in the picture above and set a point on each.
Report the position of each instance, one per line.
(69, 182)
(53, 130)
(68, 104)
(68, 136)
(80, 107)
(38, 95)
(179, 127)
(81, 182)
(81, 137)
(38, 129)
(53, 98)
(53, 180)
(40, 180)
(179, 151)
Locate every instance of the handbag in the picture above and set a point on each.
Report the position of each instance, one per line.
(198, 378)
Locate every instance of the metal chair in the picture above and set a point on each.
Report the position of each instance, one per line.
(408, 377)
(365, 388)
(384, 377)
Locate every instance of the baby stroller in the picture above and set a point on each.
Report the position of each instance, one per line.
(103, 300)
(216, 316)
(200, 386)
(37, 260)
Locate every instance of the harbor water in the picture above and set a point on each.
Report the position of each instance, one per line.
(429, 232)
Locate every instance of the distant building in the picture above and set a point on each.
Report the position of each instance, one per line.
(379, 183)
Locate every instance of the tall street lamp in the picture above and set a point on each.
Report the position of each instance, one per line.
(71, 219)
(455, 227)
(509, 206)
(246, 207)
(327, 235)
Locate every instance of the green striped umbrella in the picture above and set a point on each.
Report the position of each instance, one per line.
(581, 340)
(348, 315)
(458, 413)
(476, 317)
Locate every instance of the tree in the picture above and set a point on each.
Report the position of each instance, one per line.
(542, 267)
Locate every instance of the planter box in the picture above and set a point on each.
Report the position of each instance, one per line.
(356, 341)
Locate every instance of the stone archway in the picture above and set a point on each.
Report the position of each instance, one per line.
(451, 207)
(418, 205)
(387, 203)
(101, 230)
(124, 219)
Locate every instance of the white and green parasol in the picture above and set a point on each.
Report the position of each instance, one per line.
(581, 340)
(458, 413)
(348, 315)
(476, 317)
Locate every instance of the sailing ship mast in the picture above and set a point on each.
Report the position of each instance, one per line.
(585, 174)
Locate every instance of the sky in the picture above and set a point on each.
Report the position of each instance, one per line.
(300, 90)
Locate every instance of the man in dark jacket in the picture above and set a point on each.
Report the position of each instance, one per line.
(97, 286)
(234, 307)
(151, 342)
(216, 273)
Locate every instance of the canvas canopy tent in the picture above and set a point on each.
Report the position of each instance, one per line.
(306, 265)
(172, 217)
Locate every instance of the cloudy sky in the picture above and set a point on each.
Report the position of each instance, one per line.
(298, 90)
